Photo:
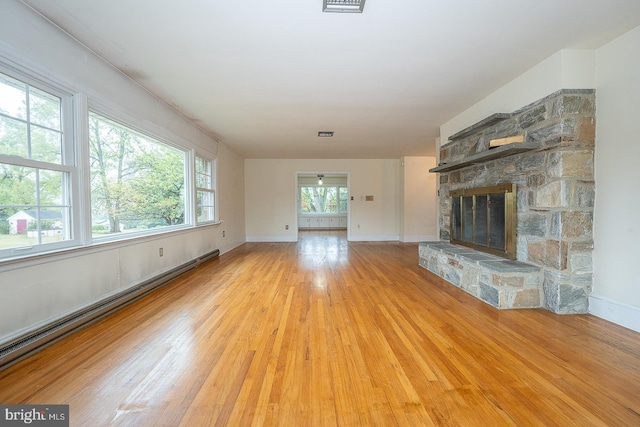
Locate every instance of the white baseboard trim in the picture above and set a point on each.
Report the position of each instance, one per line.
(615, 311)
(32, 339)
(271, 239)
(420, 238)
(226, 248)
(352, 238)
(371, 238)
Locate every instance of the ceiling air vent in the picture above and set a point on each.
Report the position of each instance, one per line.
(325, 133)
(343, 6)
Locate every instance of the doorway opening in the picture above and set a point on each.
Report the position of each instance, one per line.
(322, 203)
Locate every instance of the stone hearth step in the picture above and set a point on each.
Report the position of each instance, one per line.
(500, 282)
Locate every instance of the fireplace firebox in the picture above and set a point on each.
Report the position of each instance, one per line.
(484, 219)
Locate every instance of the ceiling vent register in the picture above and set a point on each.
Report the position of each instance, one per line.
(343, 6)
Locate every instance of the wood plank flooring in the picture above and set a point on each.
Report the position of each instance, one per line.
(326, 332)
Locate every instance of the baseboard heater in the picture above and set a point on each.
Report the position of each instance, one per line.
(34, 341)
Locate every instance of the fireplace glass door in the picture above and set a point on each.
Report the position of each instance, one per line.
(484, 219)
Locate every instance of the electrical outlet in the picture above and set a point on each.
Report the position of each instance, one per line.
(161, 252)
(286, 227)
(224, 233)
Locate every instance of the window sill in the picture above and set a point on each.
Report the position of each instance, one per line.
(315, 215)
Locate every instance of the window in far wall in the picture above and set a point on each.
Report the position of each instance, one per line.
(323, 199)
(343, 197)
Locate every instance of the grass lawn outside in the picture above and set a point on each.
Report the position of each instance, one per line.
(8, 241)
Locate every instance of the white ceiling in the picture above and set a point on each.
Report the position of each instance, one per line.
(265, 77)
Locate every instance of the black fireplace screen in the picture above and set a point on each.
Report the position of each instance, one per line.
(485, 219)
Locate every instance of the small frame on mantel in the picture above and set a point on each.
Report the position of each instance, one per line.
(505, 141)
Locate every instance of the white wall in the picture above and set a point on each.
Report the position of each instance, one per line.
(613, 71)
(270, 197)
(567, 69)
(616, 289)
(230, 199)
(419, 216)
(35, 293)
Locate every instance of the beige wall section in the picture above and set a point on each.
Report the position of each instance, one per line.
(566, 69)
(616, 289)
(403, 206)
(270, 197)
(419, 216)
(230, 199)
(34, 293)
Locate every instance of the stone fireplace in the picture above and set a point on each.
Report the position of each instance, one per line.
(484, 218)
(551, 165)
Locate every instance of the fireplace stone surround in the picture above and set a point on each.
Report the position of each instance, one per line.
(553, 169)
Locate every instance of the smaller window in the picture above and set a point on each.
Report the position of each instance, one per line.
(36, 169)
(344, 197)
(205, 193)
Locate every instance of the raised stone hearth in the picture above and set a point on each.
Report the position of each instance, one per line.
(497, 281)
(553, 171)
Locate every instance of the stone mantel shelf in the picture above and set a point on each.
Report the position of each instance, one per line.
(485, 156)
(485, 123)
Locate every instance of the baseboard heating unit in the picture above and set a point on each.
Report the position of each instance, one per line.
(30, 343)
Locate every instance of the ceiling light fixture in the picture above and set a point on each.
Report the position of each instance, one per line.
(320, 179)
(343, 6)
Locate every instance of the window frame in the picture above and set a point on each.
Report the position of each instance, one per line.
(212, 162)
(76, 157)
(337, 187)
(124, 121)
(68, 165)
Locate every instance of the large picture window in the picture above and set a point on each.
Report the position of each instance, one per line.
(137, 182)
(122, 181)
(323, 200)
(37, 168)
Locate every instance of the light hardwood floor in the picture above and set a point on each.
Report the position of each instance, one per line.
(326, 332)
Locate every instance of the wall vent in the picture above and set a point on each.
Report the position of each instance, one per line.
(343, 6)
